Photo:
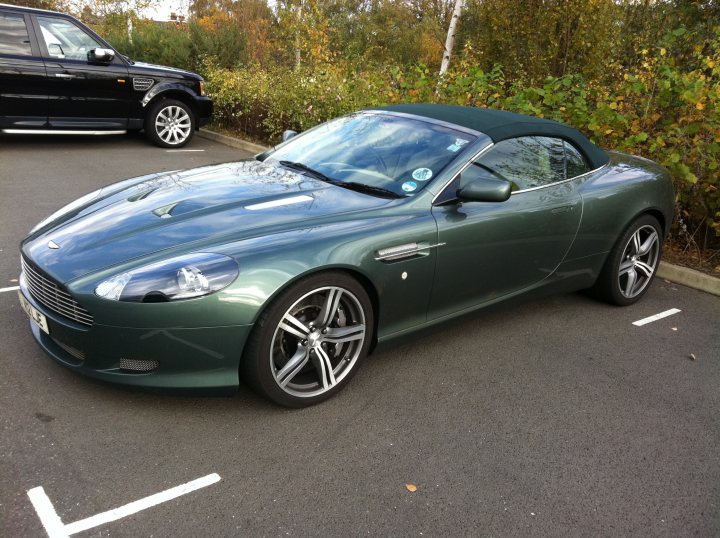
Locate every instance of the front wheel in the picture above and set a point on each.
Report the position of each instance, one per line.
(632, 263)
(309, 342)
(170, 123)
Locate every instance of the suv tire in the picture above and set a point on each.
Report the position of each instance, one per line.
(170, 123)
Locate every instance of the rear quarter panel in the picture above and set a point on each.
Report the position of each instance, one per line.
(614, 197)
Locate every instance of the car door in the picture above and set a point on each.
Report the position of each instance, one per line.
(84, 94)
(492, 249)
(23, 90)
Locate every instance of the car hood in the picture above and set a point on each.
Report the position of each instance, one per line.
(191, 210)
(142, 68)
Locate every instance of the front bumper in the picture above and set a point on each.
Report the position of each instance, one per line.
(202, 359)
(204, 110)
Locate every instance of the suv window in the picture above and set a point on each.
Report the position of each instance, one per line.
(14, 38)
(65, 40)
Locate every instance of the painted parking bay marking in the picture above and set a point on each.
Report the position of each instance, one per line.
(656, 317)
(57, 529)
(11, 288)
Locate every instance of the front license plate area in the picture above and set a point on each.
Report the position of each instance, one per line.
(35, 315)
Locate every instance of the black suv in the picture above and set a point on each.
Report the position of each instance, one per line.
(58, 76)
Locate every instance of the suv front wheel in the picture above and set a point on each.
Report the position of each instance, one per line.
(170, 123)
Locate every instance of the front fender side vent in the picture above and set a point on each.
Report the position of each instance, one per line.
(404, 251)
(142, 84)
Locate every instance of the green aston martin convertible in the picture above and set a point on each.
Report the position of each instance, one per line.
(286, 270)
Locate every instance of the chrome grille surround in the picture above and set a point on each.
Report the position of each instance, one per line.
(51, 295)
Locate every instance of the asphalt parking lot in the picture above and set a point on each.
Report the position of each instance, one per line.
(552, 417)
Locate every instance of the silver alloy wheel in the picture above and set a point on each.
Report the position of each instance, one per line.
(173, 125)
(638, 262)
(317, 341)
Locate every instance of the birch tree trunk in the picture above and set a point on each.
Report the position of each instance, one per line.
(450, 40)
(298, 23)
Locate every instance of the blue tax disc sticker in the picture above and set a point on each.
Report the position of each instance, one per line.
(409, 186)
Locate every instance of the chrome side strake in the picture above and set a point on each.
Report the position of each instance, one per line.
(403, 251)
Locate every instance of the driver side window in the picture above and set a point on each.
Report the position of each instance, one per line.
(65, 40)
(530, 161)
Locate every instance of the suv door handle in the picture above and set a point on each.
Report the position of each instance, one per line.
(66, 76)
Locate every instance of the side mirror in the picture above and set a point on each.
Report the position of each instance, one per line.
(287, 135)
(101, 55)
(481, 186)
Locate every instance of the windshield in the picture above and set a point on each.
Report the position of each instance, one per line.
(380, 151)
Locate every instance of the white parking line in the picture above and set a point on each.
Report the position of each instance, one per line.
(181, 150)
(45, 510)
(656, 317)
(11, 288)
(56, 529)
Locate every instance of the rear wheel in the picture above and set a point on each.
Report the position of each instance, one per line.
(170, 123)
(309, 342)
(632, 263)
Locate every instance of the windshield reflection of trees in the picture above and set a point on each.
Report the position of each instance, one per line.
(375, 149)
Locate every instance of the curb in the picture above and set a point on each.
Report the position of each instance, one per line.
(689, 277)
(674, 273)
(231, 141)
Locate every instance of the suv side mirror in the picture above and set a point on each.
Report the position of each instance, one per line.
(481, 186)
(101, 55)
(287, 135)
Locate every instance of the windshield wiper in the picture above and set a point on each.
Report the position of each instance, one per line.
(359, 187)
(305, 168)
(369, 189)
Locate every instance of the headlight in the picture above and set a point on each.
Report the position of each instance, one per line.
(202, 87)
(183, 277)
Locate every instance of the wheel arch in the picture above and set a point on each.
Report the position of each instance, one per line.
(353, 272)
(654, 213)
(179, 95)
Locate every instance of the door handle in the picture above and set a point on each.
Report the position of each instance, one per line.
(66, 76)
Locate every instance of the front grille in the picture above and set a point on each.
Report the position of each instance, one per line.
(51, 295)
(135, 365)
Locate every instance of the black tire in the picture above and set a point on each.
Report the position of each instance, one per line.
(325, 319)
(631, 265)
(169, 123)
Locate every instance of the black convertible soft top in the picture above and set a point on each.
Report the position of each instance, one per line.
(501, 125)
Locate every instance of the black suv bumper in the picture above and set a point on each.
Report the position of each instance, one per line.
(203, 110)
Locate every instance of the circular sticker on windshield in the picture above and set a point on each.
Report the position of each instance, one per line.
(409, 186)
(422, 174)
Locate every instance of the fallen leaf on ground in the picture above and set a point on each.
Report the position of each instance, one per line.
(692, 356)
(411, 487)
